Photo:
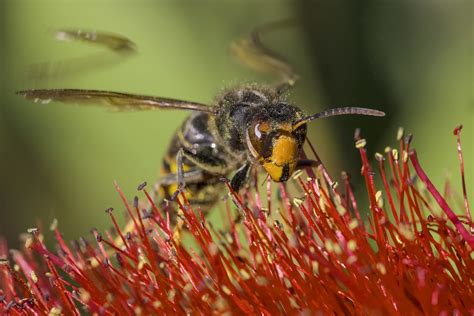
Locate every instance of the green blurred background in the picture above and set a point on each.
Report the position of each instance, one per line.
(412, 59)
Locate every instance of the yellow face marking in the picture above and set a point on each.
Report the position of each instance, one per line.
(285, 150)
(277, 173)
(284, 156)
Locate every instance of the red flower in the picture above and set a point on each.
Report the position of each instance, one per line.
(413, 256)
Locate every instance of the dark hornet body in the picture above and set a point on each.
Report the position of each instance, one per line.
(246, 127)
(214, 145)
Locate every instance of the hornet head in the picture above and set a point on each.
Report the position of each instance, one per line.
(276, 135)
(275, 143)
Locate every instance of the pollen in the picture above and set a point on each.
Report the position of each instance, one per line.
(84, 295)
(244, 274)
(298, 202)
(353, 224)
(142, 261)
(55, 311)
(360, 143)
(329, 245)
(297, 174)
(33, 276)
(351, 260)
(351, 245)
(213, 249)
(400, 133)
(406, 231)
(395, 154)
(54, 225)
(226, 290)
(405, 156)
(379, 199)
(379, 157)
(381, 267)
(32, 231)
(29, 242)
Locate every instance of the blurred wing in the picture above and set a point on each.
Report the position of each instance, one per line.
(120, 46)
(115, 100)
(252, 52)
(114, 42)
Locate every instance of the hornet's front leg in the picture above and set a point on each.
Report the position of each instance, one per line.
(240, 177)
(203, 158)
(180, 169)
(181, 185)
(179, 174)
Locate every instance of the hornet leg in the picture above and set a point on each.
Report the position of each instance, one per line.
(240, 177)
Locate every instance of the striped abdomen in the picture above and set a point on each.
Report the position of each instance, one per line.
(202, 176)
